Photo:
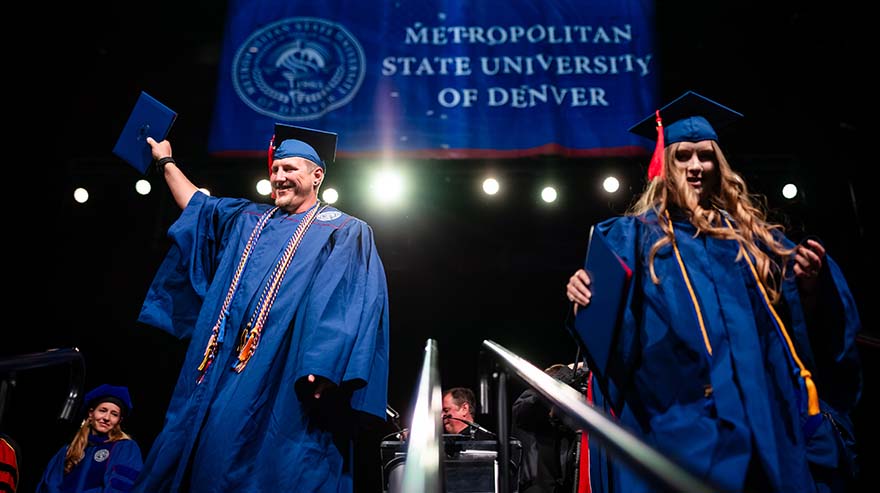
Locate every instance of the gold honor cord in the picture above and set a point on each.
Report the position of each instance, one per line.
(250, 334)
(812, 392)
(690, 288)
(217, 331)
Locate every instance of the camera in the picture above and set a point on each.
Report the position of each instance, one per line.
(576, 379)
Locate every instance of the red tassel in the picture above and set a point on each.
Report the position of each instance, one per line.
(655, 169)
(271, 153)
(271, 158)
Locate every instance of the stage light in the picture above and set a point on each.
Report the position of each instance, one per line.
(330, 196)
(789, 191)
(548, 194)
(387, 186)
(143, 187)
(611, 184)
(264, 187)
(491, 186)
(81, 195)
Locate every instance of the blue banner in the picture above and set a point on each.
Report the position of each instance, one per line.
(439, 78)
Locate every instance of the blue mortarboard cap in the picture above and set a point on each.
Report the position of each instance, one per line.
(317, 146)
(689, 118)
(110, 393)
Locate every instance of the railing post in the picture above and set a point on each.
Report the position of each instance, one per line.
(503, 437)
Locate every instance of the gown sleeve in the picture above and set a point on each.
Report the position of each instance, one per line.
(50, 482)
(345, 325)
(824, 325)
(826, 335)
(838, 322)
(198, 238)
(126, 462)
(623, 235)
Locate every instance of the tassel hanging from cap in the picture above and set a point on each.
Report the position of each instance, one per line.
(271, 155)
(655, 169)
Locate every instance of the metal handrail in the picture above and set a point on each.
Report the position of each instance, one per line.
(620, 442)
(423, 469)
(9, 366)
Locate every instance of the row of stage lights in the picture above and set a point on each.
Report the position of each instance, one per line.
(388, 187)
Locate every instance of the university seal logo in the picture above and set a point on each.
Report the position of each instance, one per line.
(328, 216)
(298, 68)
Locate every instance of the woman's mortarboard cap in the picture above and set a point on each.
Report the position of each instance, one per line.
(110, 393)
(689, 118)
(317, 146)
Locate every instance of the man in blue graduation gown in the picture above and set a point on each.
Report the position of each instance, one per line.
(735, 354)
(286, 307)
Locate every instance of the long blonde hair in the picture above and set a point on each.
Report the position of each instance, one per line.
(750, 226)
(77, 449)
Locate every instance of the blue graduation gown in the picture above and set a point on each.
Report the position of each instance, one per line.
(660, 368)
(249, 431)
(106, 467)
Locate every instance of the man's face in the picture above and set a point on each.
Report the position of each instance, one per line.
(293, 181)
(452, 409)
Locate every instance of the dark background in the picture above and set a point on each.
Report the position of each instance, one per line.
(461, 267)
